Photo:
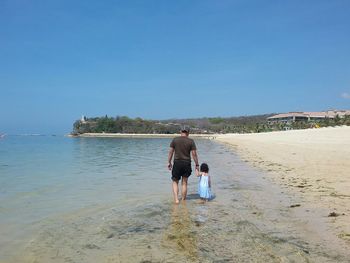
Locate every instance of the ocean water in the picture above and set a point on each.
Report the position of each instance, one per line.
(110, 200)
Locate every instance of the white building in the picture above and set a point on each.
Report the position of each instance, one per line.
(307, 116)
(83, 119)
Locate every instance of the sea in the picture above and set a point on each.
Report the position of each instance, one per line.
(66, 199)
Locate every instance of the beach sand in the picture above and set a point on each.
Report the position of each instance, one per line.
(312, 164)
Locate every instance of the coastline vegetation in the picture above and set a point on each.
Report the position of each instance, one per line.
(242, 124)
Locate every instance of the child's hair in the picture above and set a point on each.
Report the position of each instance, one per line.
(204, 168)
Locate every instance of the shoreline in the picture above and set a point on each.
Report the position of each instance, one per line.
(302, 163)
(249, 219)
(313, 164)
(140, 135)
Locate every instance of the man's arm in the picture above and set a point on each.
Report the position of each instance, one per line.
(195, 158)
(170, 157)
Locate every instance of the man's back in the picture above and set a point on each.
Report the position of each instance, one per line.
(183, 147)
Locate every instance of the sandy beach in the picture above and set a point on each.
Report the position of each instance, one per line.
(313, 165)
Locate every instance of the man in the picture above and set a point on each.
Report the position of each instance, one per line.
(183, 147)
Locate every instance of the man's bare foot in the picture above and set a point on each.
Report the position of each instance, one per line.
(177, 201)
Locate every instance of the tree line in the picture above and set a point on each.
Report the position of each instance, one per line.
(242, 124)
(124, 124)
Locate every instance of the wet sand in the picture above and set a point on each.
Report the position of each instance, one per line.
(249, 220)
(314, 166)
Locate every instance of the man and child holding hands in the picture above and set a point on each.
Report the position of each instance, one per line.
(182, 148)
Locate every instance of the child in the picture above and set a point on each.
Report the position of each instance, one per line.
(204, 185)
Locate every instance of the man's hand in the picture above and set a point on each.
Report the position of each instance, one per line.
(170, 166)
(197, 170)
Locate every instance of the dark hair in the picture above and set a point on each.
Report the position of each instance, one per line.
(185, 129)
(204, 168)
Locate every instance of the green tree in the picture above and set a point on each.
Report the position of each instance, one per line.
(337, 120)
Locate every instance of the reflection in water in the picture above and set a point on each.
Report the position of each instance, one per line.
(180, 235)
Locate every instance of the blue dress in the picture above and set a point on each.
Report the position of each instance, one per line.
(203, 187)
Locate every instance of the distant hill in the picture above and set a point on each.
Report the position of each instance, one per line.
(124, 124)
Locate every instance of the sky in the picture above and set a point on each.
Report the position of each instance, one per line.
(165, 59)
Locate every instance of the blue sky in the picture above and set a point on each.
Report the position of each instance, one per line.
(169, 59)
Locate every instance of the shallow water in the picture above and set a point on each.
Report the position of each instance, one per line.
(109, 200)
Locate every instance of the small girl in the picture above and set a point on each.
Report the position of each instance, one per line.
(204, 185)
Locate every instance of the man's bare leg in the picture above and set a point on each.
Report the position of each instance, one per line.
(176, 191)
(184, 188)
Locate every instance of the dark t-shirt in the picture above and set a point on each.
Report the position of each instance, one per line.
(183, 147)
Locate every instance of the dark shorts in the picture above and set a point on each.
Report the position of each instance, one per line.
(181, 169)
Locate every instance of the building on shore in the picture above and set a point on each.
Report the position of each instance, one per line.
(83, 119)
(307, 116)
